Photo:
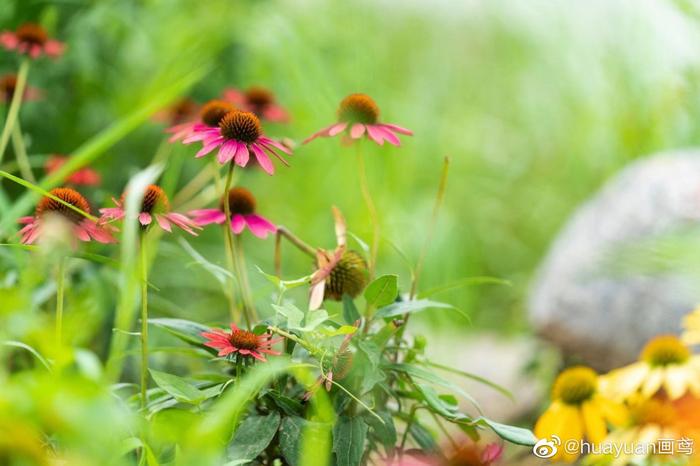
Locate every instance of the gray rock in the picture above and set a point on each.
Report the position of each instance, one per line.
(604, 318)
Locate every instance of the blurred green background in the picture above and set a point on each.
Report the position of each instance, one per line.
(536, 103)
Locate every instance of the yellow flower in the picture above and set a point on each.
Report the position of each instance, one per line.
(691, 324)
(665, 363)
(578, 411)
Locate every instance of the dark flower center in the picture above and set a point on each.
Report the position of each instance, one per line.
(244, 339)
(240, 201)
(241, 126)
(182, 110)
(358, 108)
(8, 83)
(348, 277)
(31, 33)
(575, 386)
(259, 97)
(71, 196)
(155, 200)
(665, 350)
(214, 111)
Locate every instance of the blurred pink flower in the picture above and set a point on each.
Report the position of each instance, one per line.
(258, 100)
(85, 176)
(31, 39)
(358, 115)
(8, 84)
(242, 206)
(242, 342)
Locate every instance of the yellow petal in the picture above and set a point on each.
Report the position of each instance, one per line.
(615, 413)
(593, 421)
(624, 382)
(550, 422)
(676, 381)
(653, 382)
(572, 422)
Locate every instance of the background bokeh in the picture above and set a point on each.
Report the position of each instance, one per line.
(536, 103)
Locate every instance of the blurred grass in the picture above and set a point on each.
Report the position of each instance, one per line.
(537, 103)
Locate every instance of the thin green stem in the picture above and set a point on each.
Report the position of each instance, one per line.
(374, 218)
(15, 105)
(144, 321)
(60, 290)
(246, 292)
(25, 167)
(296, 241)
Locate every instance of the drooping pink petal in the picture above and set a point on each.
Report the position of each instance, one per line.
(163, 222)
(81, 232)
(54, 48)
(227, 152)
(337, 128)
(357, 130)
(227, 351)
(258, 356)
(101, 234)
(271, 142)
(318, 134)
(145, 218)
(208, 147)
(259, 226)
(26, 220)
(275, 113)
(375, 135)
(237, 223)
(183, 222)
(388, 135)
(263, 159)
(234, 327)
(207, 216)
(272, 151)
(242, 155)
(32, 234)
(397, 129)
(9, 40)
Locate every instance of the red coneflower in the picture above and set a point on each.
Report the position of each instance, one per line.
(8, 84)
(358, 114)
(237, 134)
(83, 228)
(190, 120)
(31, 39)
(84, 176)
(243, 342)
(242, 205)
(155, 205)
(258, 100)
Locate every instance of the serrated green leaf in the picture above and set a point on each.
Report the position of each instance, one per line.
(177, 387)
(349, 436)
(385, 432)
(382, 291)
(253, 435)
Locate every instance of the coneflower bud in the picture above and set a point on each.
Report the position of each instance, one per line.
(348, 277)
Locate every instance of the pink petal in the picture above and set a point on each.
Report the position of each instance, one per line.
(145, 218)
(337, 128)
(357, 130)
(375, 135)
(397, 129)
(271, 142)
(81, 232)
(26, 220)
(242, 155)
(321, 133)
(207, 216)
(183, 222)
(263, 159)
(259, 226)
(227, 351)
(234, 328)
(208, 147)
(163, 222)
(227, 152)
(237, 223)
(388, 135)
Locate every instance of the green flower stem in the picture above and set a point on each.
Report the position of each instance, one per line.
(290, 336)
(246, 292)
(374, 218)
(60, 290)
(15, 105)
(296, 241)
(144, 321)
(23, 163)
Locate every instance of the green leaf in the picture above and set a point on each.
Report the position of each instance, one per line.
(26, 347)
(449, 411)
(474, 377)
(291, 433)
(219, 273)
(178, 388)
(253, 436)
(342, 330)
(419, 373)
(350, 312)
(349, 436)
(296, 320)
(382, 291)
(467, 281)
(385, 432)
(413, 307)
(423, 438)
(513, 434)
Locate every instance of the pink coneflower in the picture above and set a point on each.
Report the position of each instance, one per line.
(191, 120)
(466, 454)
(237, 135)
(155, 205)
(83, 228)
(358, 114)
(243, 342)
(258, 100)
(242, 206)
(8, 84)
(84, 176)
(33, 40)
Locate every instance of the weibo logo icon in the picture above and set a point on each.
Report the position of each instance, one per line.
(547, 448)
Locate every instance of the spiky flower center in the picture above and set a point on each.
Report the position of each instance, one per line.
(241, 126)
(71, 196)
(31, 33)
(155, 200)
(240, 201)
(358, 108)
(8, 84)
(214, 111)
(243, 339)
(348, 277)
(653, 411)
(575, 386)
(182, 110)
(259, 97)
(665, 350)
